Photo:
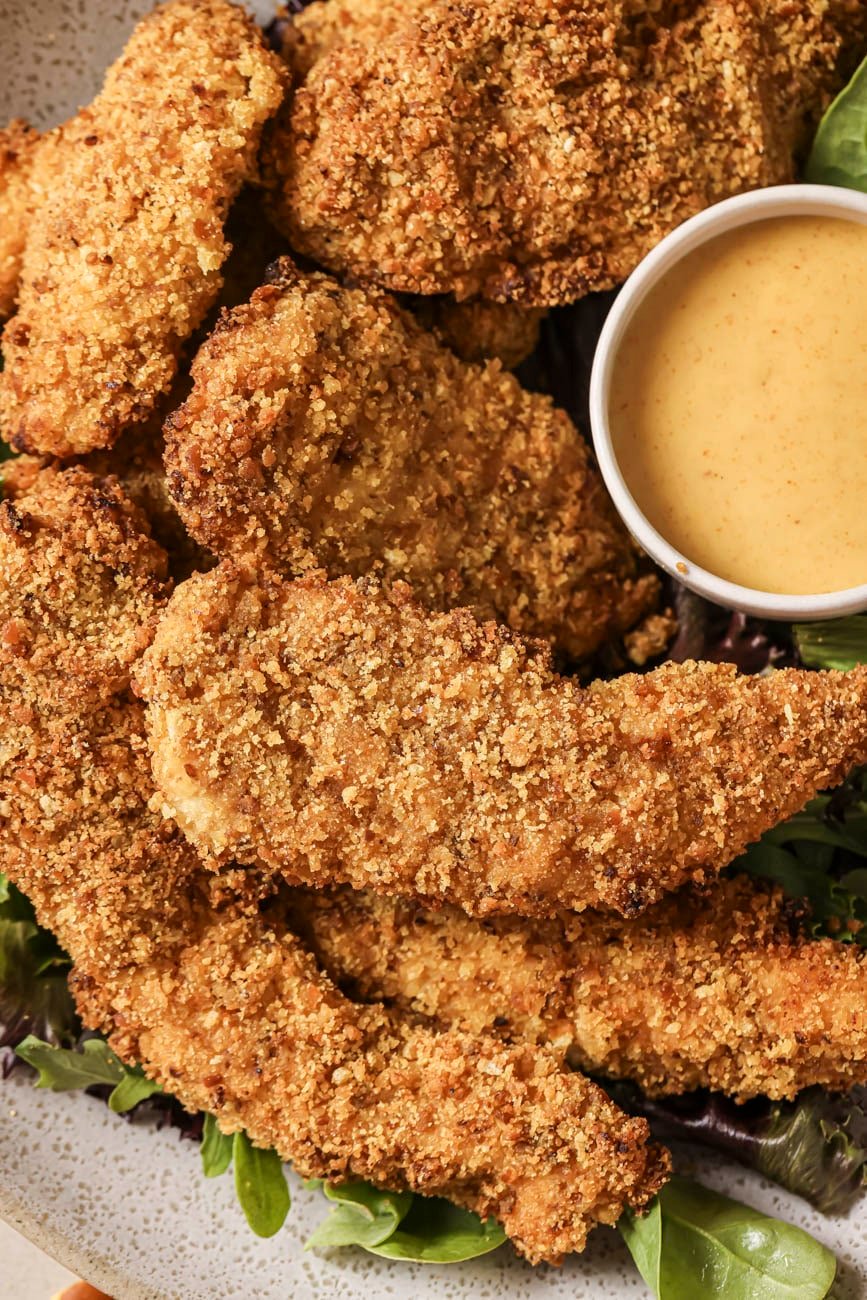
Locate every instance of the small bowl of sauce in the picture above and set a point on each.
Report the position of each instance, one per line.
(728, 402)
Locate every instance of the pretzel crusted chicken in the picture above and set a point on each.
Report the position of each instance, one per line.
(331, 732)
(124, 249)
(535, 150)
(184, 972)
(327, 429)
(720, 988)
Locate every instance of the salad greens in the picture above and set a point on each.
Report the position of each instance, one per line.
(260, 1185)
(695, 1242)
(839, 153)
(835, 643)
(398, 1225)
(64, 1070)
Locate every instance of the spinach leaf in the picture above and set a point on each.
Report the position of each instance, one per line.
(695, 1242)
(64, 1070)
(839, 153)
(216, 1149)
(364, 1216)
(398, 1225)
(437, 1232)
(837, 642)
(260, 1185)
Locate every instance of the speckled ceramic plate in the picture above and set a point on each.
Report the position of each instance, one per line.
(127, 1205)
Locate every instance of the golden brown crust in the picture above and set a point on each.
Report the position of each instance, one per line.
(720, 988)
(82, 584)
(17, 151)
(126, 242)
(534, 150)
(334, 733)
(325, 428)
(227, 1010)
(482, 331)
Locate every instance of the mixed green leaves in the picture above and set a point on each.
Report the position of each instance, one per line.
(820, 855)
(93, 1065)
(839, 153)
(695, 1242)
(833, 643)
(260, 1181)
(398, 1225)
(815, 1146)
(34, 996)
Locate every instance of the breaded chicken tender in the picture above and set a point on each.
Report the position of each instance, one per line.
(334, 733)
(721, 988)
(184, 973)
(124, 249)
(82, 586)
(482, 331)
(327, 429)
(535, 150)
(17, 152)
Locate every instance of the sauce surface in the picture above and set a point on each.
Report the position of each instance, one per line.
(738, 407)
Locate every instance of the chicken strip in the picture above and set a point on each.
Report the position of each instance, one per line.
(336, 734)
(83, 585)
(535, 150)
(721, 988)
(481, 331)
(184, 972)
(325, 428)
(124, 251)
(17, 151)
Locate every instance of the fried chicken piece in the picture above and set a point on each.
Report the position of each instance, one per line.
(124, 251)
(137, 461)
(535, 150)
(334, 733)
(721, 988)
(325, 428)
(481, 331)
(186, 974)
(17, 152)
(83, 585)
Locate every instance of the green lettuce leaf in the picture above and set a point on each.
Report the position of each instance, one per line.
(216, 1149)
(260, 1185)
(398, 1225)
(839, 153)
(835, 643)
(95, 1065)
(695, 1242)
(363, 1216)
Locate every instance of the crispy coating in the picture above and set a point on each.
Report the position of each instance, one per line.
(82, 586)
(125, 246)
(326, 429)
(337, 734)
(482, 331)
(535, 150)
(137, 461)
(226, 1009)
(720, 988)
(17, 152)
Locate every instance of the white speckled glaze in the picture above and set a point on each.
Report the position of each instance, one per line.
(126, 1205)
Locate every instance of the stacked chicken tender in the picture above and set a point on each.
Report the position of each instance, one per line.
(283, 586)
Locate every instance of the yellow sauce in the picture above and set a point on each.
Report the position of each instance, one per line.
(738, 406)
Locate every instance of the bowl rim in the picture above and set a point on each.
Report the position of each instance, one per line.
(741, 210)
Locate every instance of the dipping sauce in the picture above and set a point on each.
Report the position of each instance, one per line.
(738, 408)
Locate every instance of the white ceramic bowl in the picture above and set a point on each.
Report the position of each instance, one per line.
(745, 209)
